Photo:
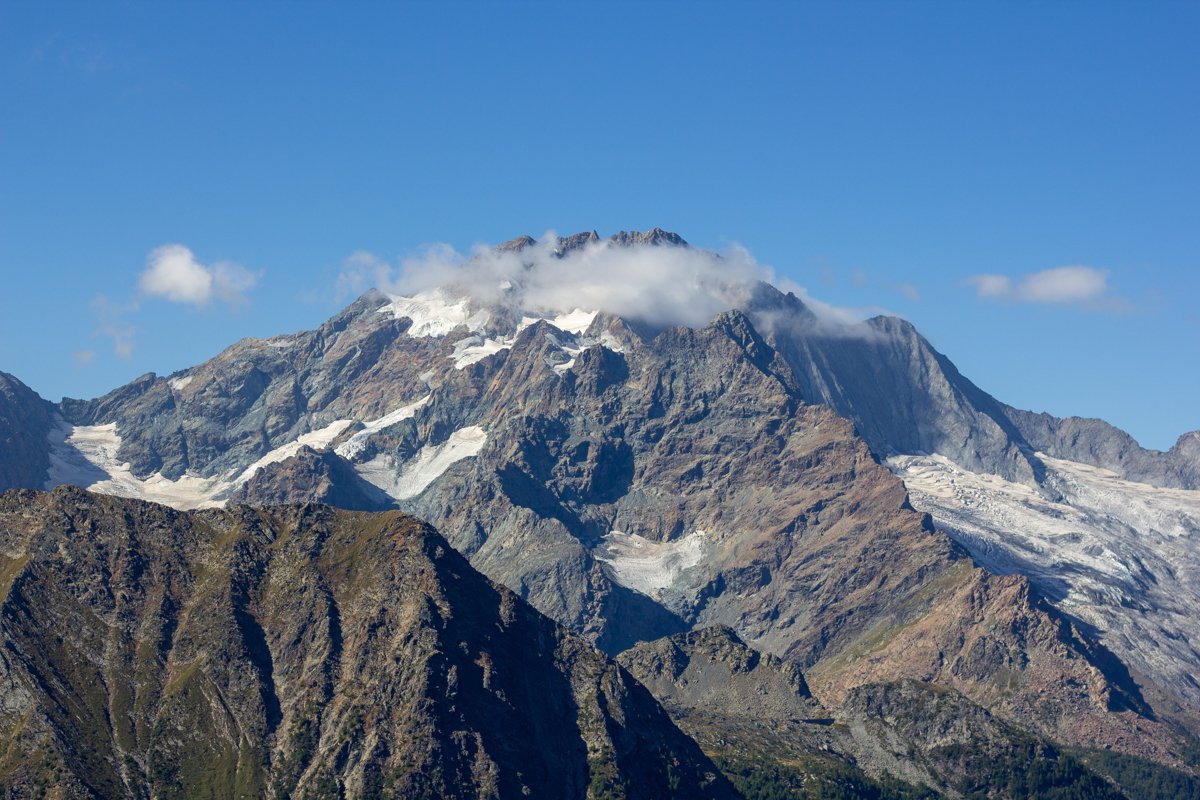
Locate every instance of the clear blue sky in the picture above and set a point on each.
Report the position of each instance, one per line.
(878, 154)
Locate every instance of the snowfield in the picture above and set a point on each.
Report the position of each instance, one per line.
(407, 480)
(358, 442)
(645, 566)
(437, 313)
(1121, 557)
(86, 456)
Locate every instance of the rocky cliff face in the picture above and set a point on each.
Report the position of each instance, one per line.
(25, 421)
(298, 652)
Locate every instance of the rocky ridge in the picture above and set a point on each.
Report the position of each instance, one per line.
(755, 716)
(298, 651)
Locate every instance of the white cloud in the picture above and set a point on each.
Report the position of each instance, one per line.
(907, 291)
(660, 285)
(1076, 285)
(173, 272)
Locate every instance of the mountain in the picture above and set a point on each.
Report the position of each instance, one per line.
(633, 480)
(755, 716)
(25, 421)
(298, 651)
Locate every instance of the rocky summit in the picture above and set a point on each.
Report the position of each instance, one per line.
(811, 508)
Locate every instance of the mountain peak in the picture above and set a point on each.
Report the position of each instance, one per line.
(577, 241)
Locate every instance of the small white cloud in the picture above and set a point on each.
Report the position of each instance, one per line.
(1076, 285)
(907, 291)
(1064, 285)
(990, 285)
(173, 272)
(84, 358)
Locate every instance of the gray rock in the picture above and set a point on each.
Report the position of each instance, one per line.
(25, 421)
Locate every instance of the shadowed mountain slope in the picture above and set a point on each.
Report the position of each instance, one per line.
(25, 421)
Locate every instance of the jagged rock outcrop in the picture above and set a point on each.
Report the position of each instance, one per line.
(25, 421)
(713, 671)
(298, 651)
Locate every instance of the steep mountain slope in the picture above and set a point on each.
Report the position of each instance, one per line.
(298, 652)
(1121, 557)
(25, 421)
(901, 394)
(754, 715)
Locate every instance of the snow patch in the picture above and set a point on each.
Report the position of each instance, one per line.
(610, 341)
(86, 456)
(476, 348)
(317, 440)
(576, 321)
(404, 481)
(645, 566)
(357, 443)
(435, 313)
(178, 383)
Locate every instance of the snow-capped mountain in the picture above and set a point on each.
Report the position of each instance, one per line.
(634, 478)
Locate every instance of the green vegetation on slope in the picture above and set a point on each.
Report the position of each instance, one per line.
(1027, 768)
(1140, 779)
(764, 778)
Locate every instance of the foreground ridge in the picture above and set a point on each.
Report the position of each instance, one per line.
(298, 651)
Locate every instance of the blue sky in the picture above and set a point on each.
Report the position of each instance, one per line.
(879, 154)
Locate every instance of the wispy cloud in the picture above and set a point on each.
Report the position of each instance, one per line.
(173, 272)
(84, 358)
(907, 291)
(109, 315)
(1084, 287)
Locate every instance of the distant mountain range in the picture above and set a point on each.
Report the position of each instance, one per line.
(838, 499)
